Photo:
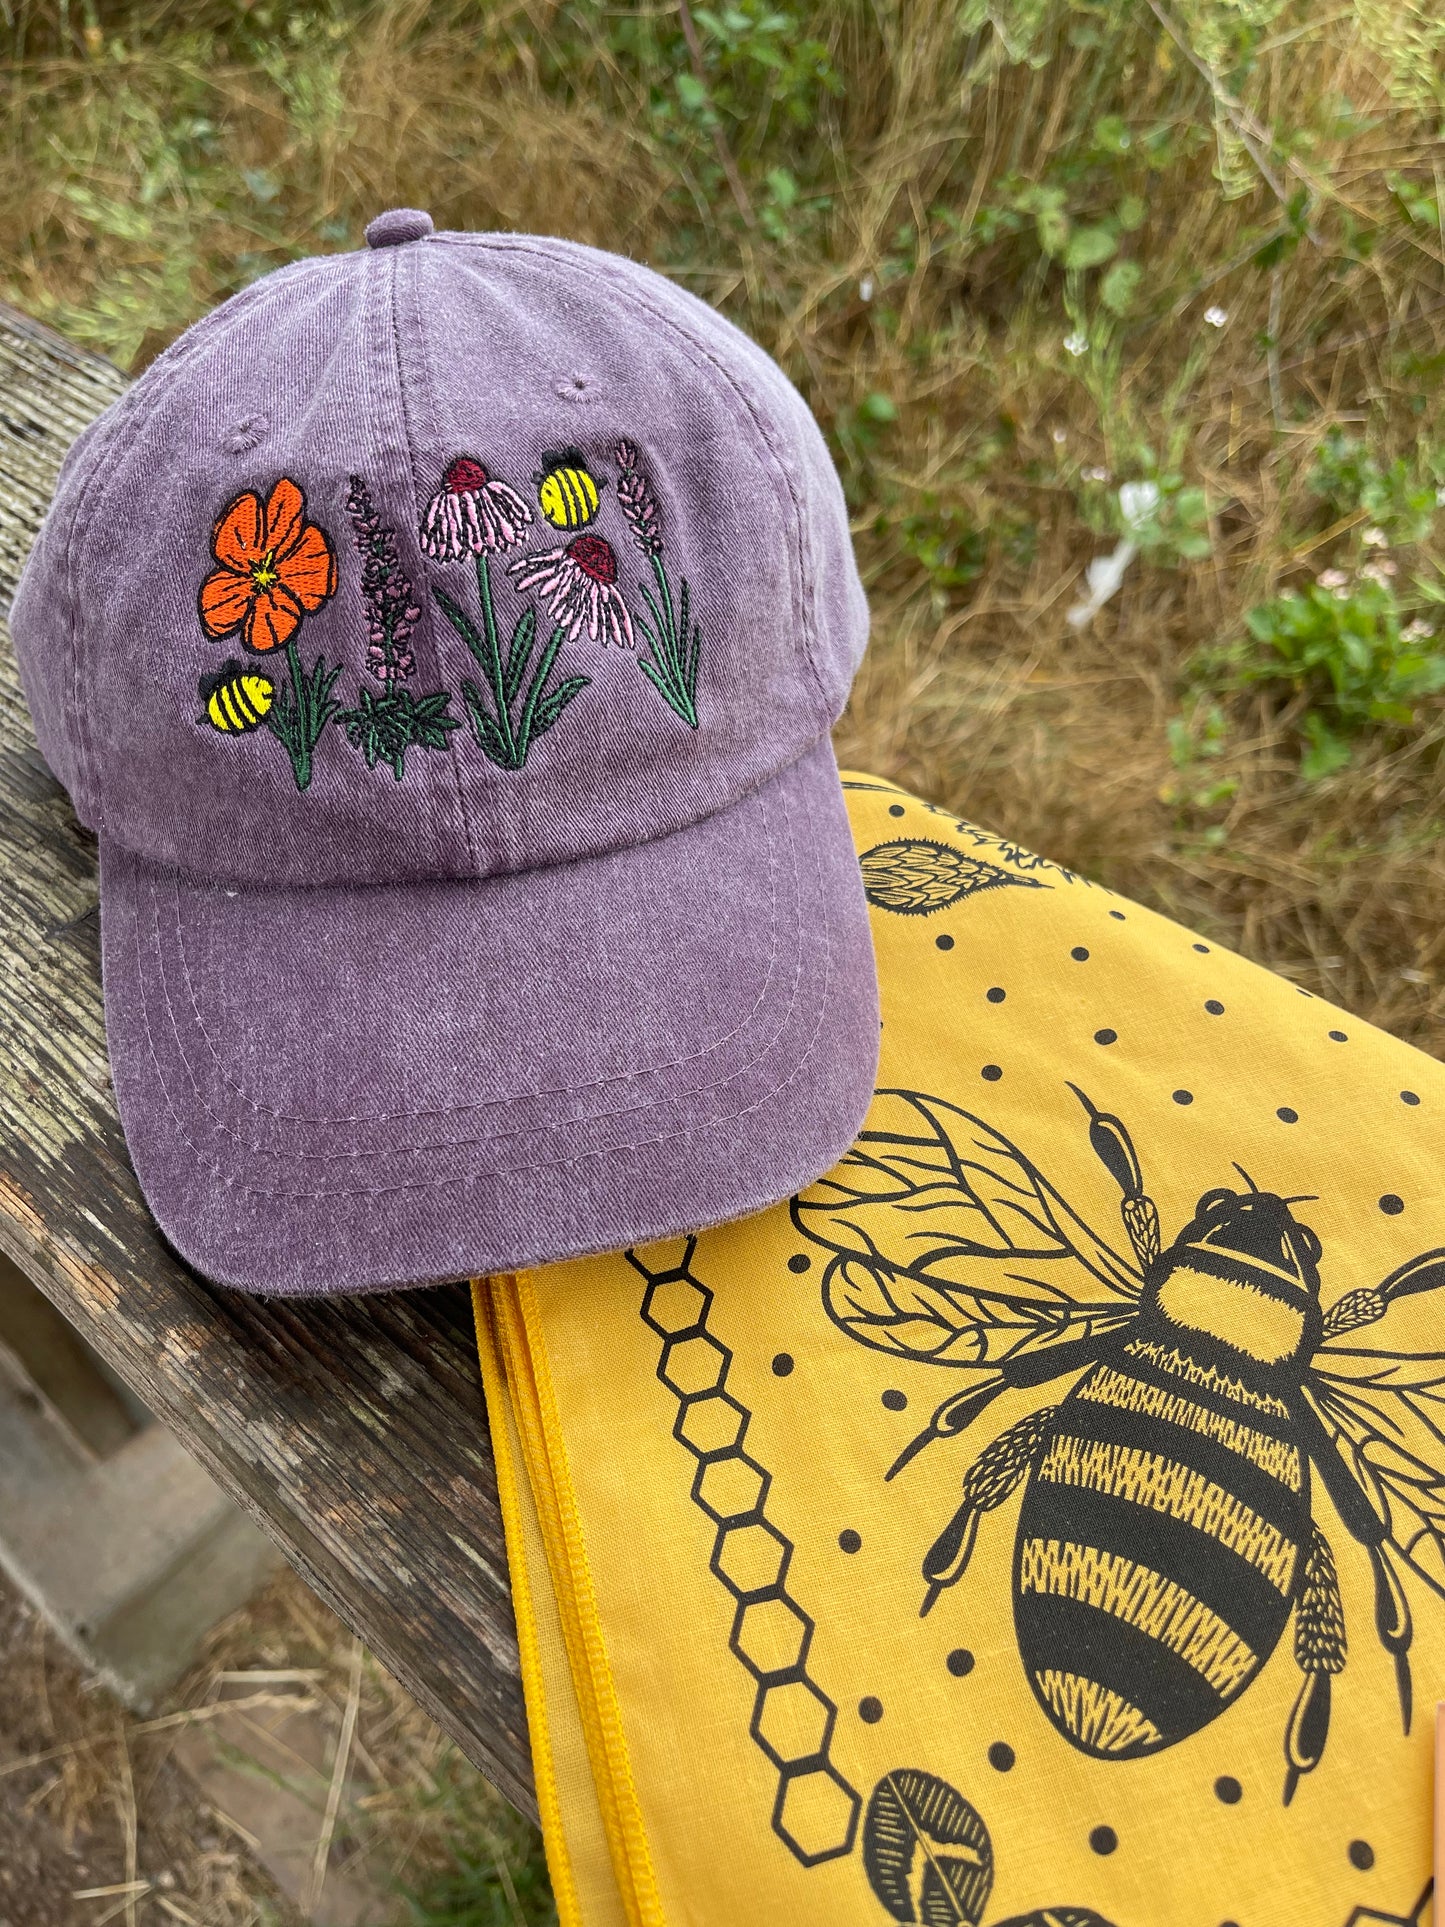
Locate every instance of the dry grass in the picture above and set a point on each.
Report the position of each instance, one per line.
(891, 242)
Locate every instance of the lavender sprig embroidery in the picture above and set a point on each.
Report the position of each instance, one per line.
(384, 726)
(672, 636)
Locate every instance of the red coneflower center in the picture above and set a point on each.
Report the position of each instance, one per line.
(464, 476)
(594, 557)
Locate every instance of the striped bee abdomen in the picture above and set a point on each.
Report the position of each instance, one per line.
(237, 699)
(1158, 1547)
(567, 492)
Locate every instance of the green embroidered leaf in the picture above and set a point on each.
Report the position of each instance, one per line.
(462, 623)
(551, 707)
(520, 653)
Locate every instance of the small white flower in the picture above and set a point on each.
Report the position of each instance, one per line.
(1137, 503)
(1417, 631)
(1061, 435)
(1380, 570)
(1335, 580)
(1375, 539)
(1103, 575)
(1077, 343)
(865, 288)
(1096, 474)
(1216, 316)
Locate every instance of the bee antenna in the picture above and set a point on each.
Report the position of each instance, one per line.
(1247, 1178)
(1305, 1197)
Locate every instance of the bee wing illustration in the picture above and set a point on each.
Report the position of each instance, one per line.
(1379, 1385)
(948, 1244)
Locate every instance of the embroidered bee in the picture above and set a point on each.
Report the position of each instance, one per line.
(568, 495)
(1167, 1531)
(236, 699)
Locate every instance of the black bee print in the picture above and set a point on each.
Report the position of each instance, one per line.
(914, 877)
(1167, 1533)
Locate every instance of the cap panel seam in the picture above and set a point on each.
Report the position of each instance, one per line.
(462, 1143)
(133, 412)
(585, 1157)
(802, 586)
(410, 262)
(511, 1097)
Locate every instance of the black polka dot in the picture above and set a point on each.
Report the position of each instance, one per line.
(1118, 916)
(895, 809)
(1391, 1205)
(895, 1401)
(1409, 1097)
(782, 1364)
(1286, 1115)
(1079, 954)
(1001, 1756)
(800, 1261)
(1339, 1037)
(991, 1073)
(1202, 948)
(945, 942)
(1362, 1855)
(1106, 1037)
(849, 1540)
(960, 1662)
(1183, 1097)
(996, 996)
(1103, 1839)
(1228, 1789)
(1214, 1007)
(870, 1710)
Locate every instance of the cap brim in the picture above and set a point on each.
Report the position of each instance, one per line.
(349, 1088)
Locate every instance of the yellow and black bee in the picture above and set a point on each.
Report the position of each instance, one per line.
(236, 699)
(1167, 1530)
(568, 494)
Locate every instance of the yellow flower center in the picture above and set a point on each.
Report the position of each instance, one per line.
(263, 574)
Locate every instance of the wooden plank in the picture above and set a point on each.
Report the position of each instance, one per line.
(352, 1430)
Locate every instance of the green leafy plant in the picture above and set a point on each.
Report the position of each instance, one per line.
(504, 732)
(300, 714)
(1398, 500)
(1348, 653)
(383, 727)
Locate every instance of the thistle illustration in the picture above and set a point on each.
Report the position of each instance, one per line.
(474, 513)
(672, 636)
(385, 726)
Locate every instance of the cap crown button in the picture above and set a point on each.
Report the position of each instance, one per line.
(399, 224)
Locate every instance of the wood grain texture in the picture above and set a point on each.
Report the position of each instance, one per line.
(352, 1430)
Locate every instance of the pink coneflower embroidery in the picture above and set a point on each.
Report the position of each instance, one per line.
(579, 586)
(472, 512)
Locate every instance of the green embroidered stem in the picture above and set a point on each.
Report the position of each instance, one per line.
(297, 718)
(504, 742)
(672, 668)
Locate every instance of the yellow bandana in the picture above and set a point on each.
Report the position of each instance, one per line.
(1038, 1523)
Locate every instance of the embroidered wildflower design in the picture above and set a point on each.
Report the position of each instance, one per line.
(578, 584)
(385, 726)
(273, 569)
(472, 513)
(672, 636)
(491, 519)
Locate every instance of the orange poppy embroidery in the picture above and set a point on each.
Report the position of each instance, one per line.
(274, 568)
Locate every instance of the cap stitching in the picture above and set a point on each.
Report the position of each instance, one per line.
(805, 599)
(545, 1164)
(521, 1131)
(399, 254)
(511, 1097)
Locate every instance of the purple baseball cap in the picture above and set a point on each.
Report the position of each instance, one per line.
(443, 641)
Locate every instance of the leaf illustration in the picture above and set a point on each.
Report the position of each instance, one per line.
(1058, 1917)
(926, 1852)
(916, 878)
